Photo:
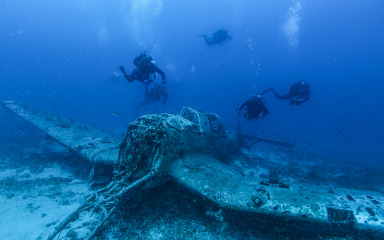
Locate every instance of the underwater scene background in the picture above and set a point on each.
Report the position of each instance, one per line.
(63, 57)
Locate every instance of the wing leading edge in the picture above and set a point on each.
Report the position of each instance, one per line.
(92, 144)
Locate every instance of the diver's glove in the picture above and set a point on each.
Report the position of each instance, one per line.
(163, 81)
(122, 69)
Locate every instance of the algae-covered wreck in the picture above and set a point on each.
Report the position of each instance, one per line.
(188, 148)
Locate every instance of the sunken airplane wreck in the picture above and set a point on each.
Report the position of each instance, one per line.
(186, 148)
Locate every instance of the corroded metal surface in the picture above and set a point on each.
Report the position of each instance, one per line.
(92, 144)
(301, 203)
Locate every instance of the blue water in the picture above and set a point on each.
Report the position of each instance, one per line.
(61, 56)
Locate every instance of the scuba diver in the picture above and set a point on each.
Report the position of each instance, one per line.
(145, 67)
(219, 37)
(155, 93)
(298, 93)
(255, 106)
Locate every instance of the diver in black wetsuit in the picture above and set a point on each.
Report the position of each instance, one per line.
(255, 106)
(298, 93)
(155, 93)
(145, 66)
(219, 37)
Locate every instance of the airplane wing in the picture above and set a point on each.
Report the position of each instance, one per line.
(92, 144)
(304, 205)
